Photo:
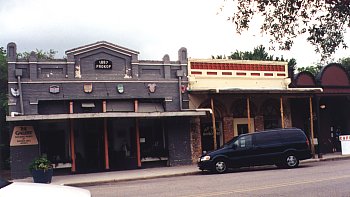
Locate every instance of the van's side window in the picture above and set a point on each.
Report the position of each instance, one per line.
(244, 142)
(267, 138)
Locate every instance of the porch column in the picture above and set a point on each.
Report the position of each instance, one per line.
(71, 139)
(282, 113)
(72, 145)
(137, 129)
(105, 136)
(213, 121)
(248, 115)
(312, 129)
(318, 127)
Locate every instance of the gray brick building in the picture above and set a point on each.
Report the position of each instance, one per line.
(99, 109)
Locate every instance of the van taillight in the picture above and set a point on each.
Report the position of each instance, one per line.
(307, 142)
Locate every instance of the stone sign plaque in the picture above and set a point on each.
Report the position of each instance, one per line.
(103, 64)
(23, 135)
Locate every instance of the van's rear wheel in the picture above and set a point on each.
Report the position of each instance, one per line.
(220, 166)
(291, 161)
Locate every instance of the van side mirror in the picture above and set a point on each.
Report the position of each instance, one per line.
(234, 146)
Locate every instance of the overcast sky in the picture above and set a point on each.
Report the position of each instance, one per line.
(152, 27)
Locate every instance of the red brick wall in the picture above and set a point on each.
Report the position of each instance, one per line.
(196, 143)
(259, 123)
(228, 128)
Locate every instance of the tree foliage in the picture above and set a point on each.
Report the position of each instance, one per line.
(345, 62)
(3, 81)
(4, 153)
(324, 21)
(258, 53)
(45, 55)
(312, 69)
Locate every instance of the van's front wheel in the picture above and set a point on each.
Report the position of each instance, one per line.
(291, 161)
(220, 166)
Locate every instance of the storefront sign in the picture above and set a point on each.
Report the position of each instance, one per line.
(344, 138)
(14, 92)
(103, 64)
(54, 89)
(208, 131)
(88, 88)
(23, 135)
(152, 87)
(120, 88)
(345, 144)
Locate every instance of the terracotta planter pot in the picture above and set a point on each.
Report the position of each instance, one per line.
(42, 176)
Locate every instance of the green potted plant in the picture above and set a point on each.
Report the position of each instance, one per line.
(41, 170)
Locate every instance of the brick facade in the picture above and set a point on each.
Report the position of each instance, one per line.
(228, 128)
(196, 143)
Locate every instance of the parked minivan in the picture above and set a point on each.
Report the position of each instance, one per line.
(282, 147)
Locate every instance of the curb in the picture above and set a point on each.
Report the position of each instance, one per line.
(326, 159)
(94, 183)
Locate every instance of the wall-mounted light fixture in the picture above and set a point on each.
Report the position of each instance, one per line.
(323, 106)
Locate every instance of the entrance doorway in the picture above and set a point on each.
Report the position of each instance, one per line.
(153, 143)
(240, 126)
(90, 146)
(54, 141)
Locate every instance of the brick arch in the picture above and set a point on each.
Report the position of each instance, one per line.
(270, 109)
(220, 110)
(239, 108)
(333, 74)
(304, 79)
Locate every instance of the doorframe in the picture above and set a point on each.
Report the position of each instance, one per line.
(237, 121)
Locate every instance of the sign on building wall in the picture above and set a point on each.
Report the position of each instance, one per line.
(23, 135)
(103, 64)
(345, 144)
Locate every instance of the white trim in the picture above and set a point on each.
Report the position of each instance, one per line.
(104, 115)
(98, 47)
(41, 63)
(11, 104)
(56, 62)
(101, 43)
(49, 82)
(161, 64)
(34, 103)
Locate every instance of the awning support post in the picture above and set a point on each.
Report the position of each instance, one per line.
(248, 115)
(312, 129)
(213, 121)
(282, 112)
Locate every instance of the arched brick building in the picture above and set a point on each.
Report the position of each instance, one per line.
(332, 105)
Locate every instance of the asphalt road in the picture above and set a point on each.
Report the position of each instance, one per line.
(326, 179)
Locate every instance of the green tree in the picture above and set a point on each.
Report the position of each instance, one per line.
(345, 62)
(3, 83)
(312, 69)
(3, 108)
(324, 21)
(45, 55)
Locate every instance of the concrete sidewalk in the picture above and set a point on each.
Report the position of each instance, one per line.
(140, 174)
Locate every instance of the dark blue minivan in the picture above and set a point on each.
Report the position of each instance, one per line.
(282, 147)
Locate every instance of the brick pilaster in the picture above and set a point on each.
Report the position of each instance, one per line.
(196, 142)
(228, 128)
